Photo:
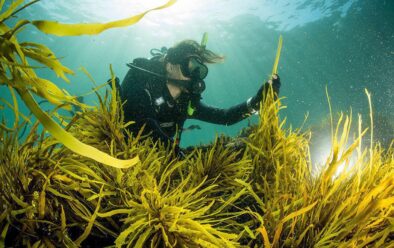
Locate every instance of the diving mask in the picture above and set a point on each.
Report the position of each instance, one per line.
(193, 67)
(195, 86)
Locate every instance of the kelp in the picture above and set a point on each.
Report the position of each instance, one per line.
(165, 216)
(220, 164)
(70, 141)
(246, 192)
(277, 57)
(16, 72)
(26, 209)
(336, 208)
(152, 202)
(62, 29)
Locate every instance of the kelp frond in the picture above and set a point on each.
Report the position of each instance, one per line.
(61, 29)
(16, 72)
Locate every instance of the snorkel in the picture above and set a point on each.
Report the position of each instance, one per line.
(204, 40)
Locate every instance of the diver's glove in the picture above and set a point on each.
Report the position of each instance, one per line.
(253, 103)
(117, 82)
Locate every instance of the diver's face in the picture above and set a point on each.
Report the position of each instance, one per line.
(188, 75)
(175, 72)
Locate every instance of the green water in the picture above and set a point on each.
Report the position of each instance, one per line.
(345, 45)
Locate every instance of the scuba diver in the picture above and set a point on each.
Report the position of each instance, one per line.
(162, 92)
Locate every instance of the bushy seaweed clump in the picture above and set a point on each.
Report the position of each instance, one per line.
(258, 193)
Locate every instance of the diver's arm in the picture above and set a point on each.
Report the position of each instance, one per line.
(228, 116)
(238, 112)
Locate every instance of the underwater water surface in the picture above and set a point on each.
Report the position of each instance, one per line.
(346, 46)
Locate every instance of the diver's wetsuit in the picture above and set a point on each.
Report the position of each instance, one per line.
(149, 102)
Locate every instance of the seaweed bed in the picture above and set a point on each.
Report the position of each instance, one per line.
(251, 191)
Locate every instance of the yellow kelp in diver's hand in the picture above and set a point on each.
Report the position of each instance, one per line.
(276, 63)
(63, 29)
(16, 72)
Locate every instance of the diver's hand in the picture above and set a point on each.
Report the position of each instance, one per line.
(254, 102)
(117, 82)
(275, 82)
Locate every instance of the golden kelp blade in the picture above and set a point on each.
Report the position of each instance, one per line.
(61, 29)
(70, 141)
(275, 68)
(45, 56)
